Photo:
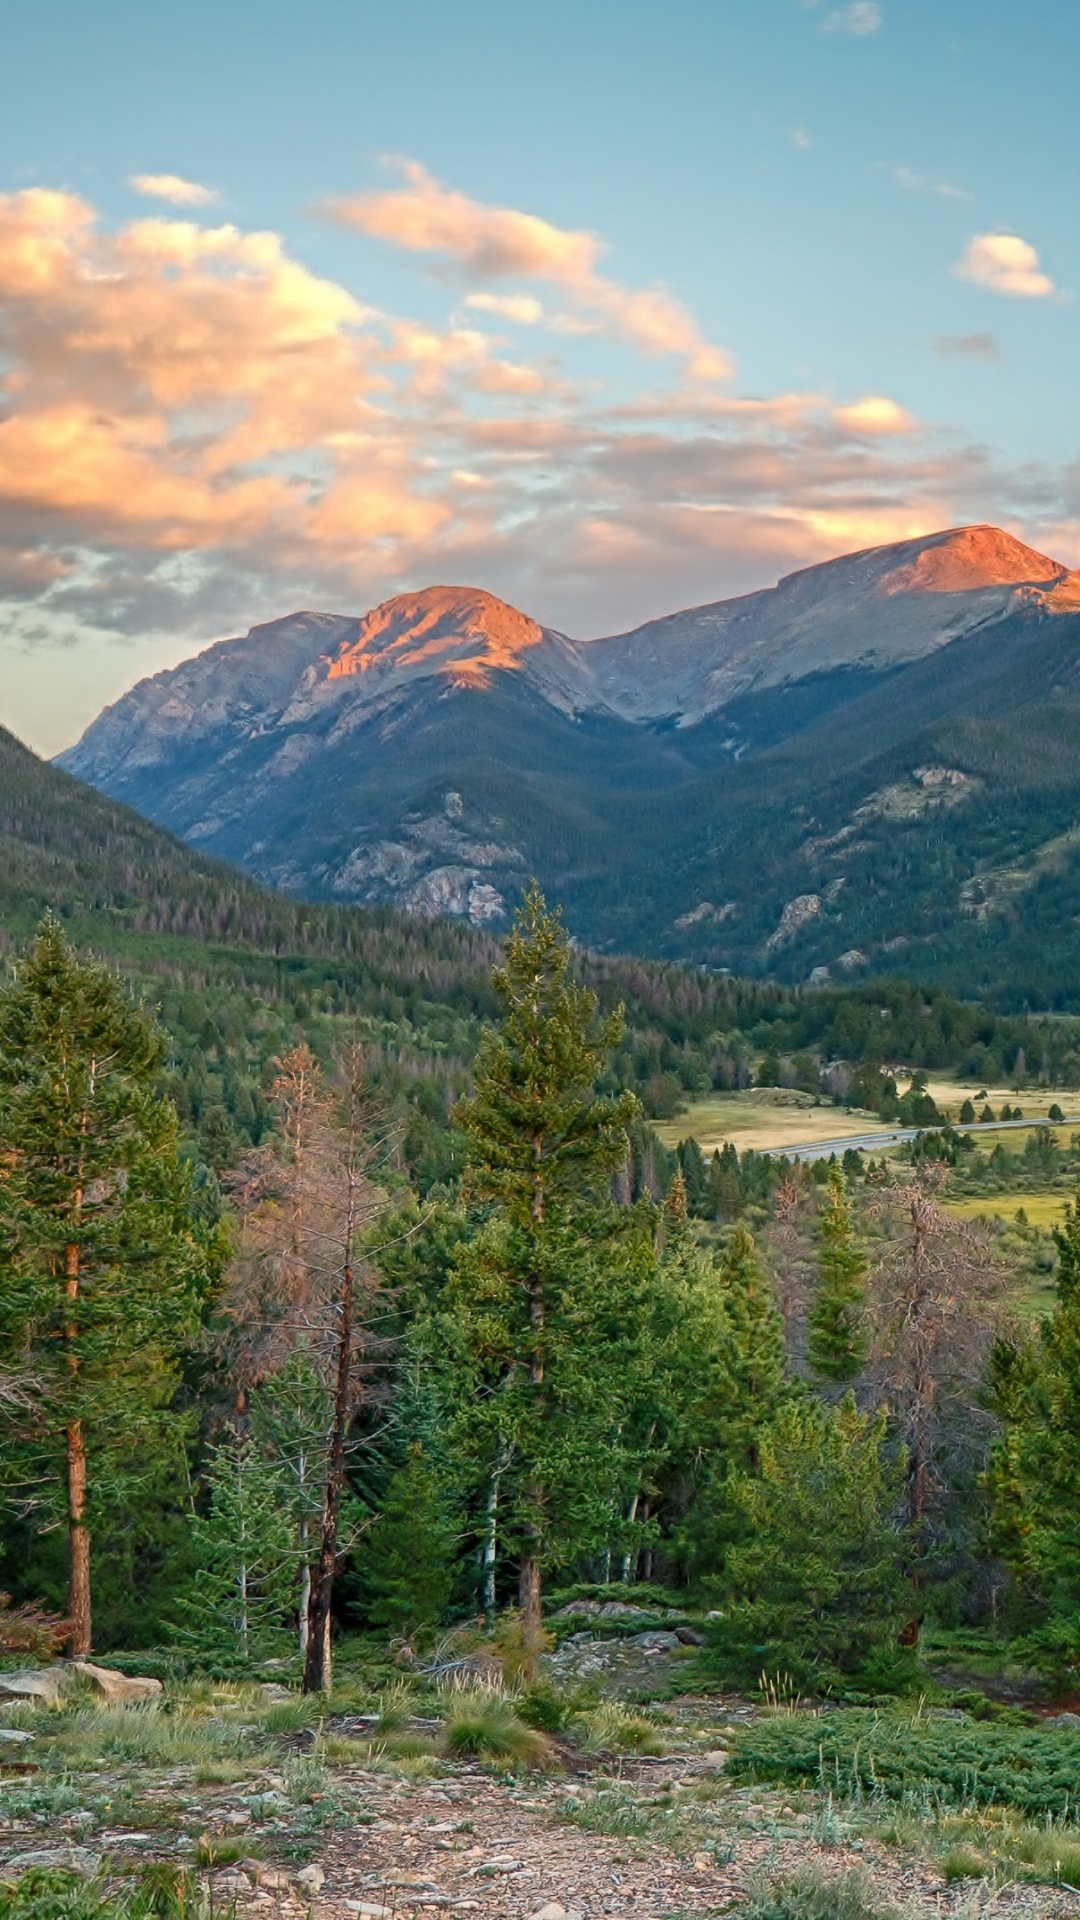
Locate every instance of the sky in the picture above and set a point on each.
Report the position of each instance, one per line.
(609, 306)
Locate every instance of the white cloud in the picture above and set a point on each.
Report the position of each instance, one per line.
(801, 140)
(519, 307)
(170, 186)
(1004, 263)
(862, 18)
(925, 183)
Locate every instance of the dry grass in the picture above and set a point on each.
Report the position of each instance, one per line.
(755, 1120)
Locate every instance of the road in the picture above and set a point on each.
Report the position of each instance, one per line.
(876, 1142)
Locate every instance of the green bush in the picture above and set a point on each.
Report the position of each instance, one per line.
(957, 1762)
(160, 1892)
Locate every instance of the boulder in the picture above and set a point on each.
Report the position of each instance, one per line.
(1069, 1721)
(311, 1877)
(119, 1688)
(47, 1684)
(74, 1859)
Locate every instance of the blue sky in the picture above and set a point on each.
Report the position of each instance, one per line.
(804, 278)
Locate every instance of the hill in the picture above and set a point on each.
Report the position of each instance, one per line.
(872, 766)
(240, 972)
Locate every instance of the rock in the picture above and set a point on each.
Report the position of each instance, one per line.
(272, 1878)
(501, 1864)
(312, 1877)
(14, 1735)
(1070, 1721)
(556, 1911)
(718, 1757)
(237, 1818)
(620, 1610)
(689, 1636)
(230, 1881)
(574, 1608)
(74, 1859)
(48, 1684)
(119, 1688)
(367, 1909)
(660, 1640)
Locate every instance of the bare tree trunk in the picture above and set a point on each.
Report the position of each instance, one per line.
(491, 1541)
(80, 1640)
(529, 1600)
(317, 1660)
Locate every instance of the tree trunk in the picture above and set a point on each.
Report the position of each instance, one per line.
(81, 1638)
(317, 1659)
(490, 1555)
(529, 1597)
(79, 1606)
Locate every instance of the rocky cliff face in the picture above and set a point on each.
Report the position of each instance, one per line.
(440, 748)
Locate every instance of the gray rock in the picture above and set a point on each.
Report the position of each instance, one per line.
(14, 1736)
(75, 1859)
(48, 1684)
(119, 1688)
(1070, 1721)
(690, 1636)
(312, 1877)
(660, 1640)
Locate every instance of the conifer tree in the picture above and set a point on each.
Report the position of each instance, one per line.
(408, 1566)
(100, 1268)
(838, 1341)
(234, 1613)
(545, 1286)
(814, 1587)
(1035, 1465)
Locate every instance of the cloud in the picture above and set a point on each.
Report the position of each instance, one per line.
(1004, 263)
(801, 140)
(925, 183)
(495, 243)
(199, 432)
(522, 308)
(967, 346)
(170, 186)
(875, 417)
(862, 18)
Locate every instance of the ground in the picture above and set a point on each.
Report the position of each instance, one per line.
(766, 1118)
(357, 1817)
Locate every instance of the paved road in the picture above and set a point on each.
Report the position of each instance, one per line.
(874, 1142)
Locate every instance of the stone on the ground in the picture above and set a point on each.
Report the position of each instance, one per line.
(367, 1909)
(14, 1735)
(118, 1687)
(74, 1859)
(1070, 1721)
(690, 1636)
(717, 1757)
(230, 1880)
(48, 1684)
(312, 1877)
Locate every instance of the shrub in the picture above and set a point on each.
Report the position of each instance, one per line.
(960, 1763)
(813, 1895)
(31, 1630)
(482, 1721)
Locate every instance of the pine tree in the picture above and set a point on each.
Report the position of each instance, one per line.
(1035, 1466)
(838, 1341)
(408, 1567)
(234, 1613)
(815, 1587)
(100, 1267)
(535, 1293)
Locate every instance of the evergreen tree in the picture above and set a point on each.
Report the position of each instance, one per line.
(408, 1568)
(815, 1586)
(100, 1268)
(234, 1613)
(1035, 1466)
(838, 1341)
(547, 1297)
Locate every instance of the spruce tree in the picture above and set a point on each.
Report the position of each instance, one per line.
(814, 1588)
(837, 1334)
(1035, 1466)
(100, 1268)
(408, 1564)
(545, 1285)
(234, 1613)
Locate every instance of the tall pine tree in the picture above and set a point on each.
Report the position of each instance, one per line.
(100, 1268)
(546, 1299)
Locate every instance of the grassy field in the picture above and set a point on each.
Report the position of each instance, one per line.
(1040, 1209)
(764, 1119)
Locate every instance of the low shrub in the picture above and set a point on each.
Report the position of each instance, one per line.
(160, 1892)
(482, 1721)
(813, 1895)
(955, 1762)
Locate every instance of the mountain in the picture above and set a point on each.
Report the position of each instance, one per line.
(871, 765)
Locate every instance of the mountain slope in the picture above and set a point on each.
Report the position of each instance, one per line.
(872, 764)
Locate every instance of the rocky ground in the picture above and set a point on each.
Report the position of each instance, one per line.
(335, 1820)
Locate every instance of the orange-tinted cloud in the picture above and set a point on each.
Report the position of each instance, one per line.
(499, 243)
(171, 187)
(1005, 263)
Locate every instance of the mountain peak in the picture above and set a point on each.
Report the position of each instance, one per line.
(965, 559)
(462, 632)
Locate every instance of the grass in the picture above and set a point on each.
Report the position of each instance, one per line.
(814, 1895)
(160, 1892)
(482, 1721)
(1043, 1209)
(758, 1119)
